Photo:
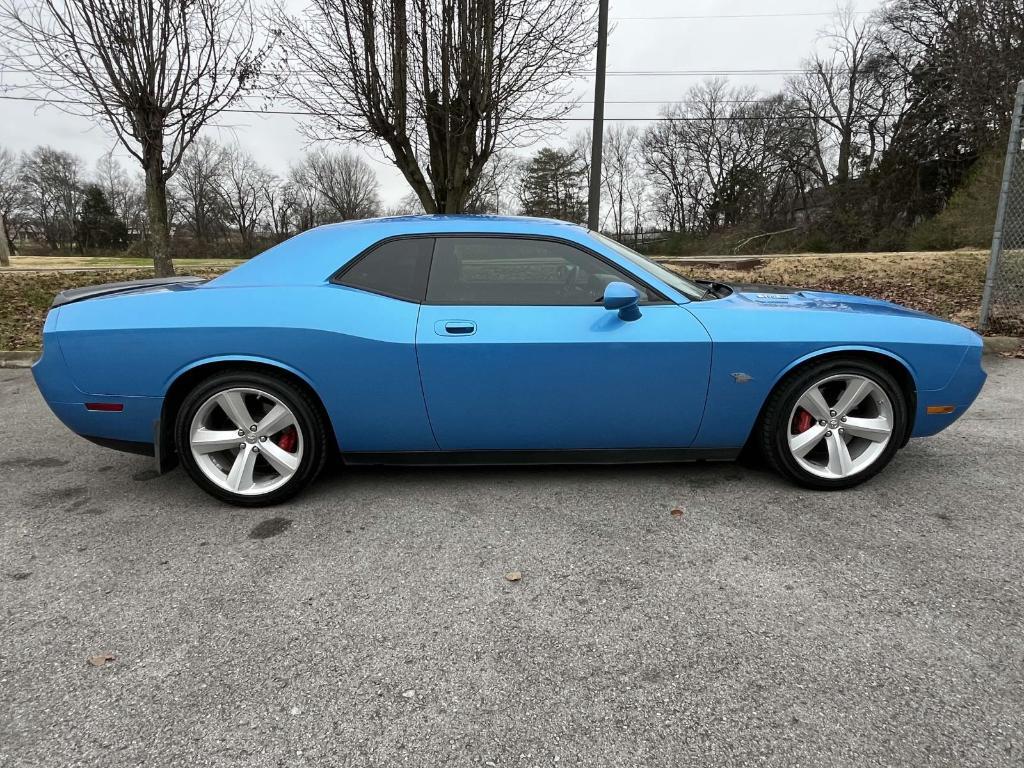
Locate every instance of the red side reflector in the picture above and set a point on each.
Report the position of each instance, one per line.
(940, 409)
(104, 406)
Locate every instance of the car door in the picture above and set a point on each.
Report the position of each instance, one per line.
(517, 352)
(365, 364)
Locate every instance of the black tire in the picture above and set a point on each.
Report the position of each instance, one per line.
(308, 421)
(774, 427)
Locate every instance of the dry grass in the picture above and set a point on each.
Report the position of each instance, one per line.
(107, 262)
(25, 298)
(946, 284)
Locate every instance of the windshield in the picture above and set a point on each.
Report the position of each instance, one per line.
(689, 289)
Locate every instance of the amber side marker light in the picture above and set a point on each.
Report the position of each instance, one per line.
(939, 409)
(116, 407)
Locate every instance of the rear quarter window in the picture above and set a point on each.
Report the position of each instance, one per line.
(395, 268)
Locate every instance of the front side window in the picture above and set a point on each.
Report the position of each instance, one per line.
(519, 271)
(397, 268)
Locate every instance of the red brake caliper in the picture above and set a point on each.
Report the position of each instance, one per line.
(288, 440)
(802, 421)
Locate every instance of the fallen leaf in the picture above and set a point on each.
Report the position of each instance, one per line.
(101, 659)
(513, 576)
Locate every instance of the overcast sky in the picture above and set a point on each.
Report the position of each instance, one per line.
(704, 44)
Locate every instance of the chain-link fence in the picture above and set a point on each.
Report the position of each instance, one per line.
(1002, 308)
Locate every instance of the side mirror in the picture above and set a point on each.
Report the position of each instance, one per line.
(624, 298)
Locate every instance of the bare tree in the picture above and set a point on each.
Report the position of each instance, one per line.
(328, 186)
(307, 201)
(850, 97)
(619, 164)
(793, 141)
(723, 157)
(125, 195)
(346, 183)
(495, 186)
(580, 145)
(440, 84)
(711, 119)
(961, 59)
(12, 198)
(769, 174)
(153, 71)
(281, 200)
(243, 188)
(52, 186)
(197, 188)
(669, 165)
(637, 199)
(409, 205)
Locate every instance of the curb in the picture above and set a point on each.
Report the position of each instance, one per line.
(997, 345)
(18, 359)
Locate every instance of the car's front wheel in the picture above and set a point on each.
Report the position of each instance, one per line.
(250, 439)
(834, 424)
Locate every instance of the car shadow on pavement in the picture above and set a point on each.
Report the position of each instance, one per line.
(697, 474)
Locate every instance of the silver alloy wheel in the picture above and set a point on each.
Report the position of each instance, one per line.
(840, 426)
(246, 441)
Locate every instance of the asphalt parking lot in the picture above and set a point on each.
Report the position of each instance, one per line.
(370, 621)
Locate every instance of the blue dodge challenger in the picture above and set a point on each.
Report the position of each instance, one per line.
(439, 339)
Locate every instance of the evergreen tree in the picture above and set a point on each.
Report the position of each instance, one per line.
(553, 186)
(98, 225)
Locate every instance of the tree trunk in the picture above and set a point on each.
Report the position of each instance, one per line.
(618, 219)
(156, 207)
(843, 164)
(5, 254)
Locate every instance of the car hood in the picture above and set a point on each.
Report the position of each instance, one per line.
(787, 297)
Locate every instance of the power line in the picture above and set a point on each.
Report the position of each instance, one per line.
(588, 102)
(717, 16)
(660, 101)
(581, 102)
(616, 73)
(705, 72)
(304, 113)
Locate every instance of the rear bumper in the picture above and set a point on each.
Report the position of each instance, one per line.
(131, 425)
(960, 392)
(126, 446)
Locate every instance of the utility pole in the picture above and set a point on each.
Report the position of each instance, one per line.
(594, 202)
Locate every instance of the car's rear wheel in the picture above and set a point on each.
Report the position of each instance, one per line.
(250, 439)
(834, 424)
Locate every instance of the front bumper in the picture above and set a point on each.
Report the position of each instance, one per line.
(960, 392)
